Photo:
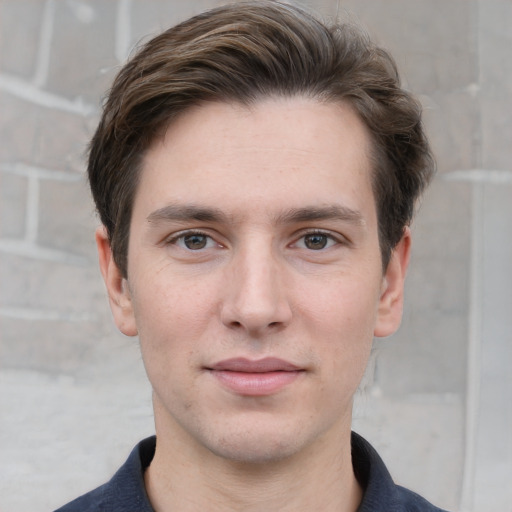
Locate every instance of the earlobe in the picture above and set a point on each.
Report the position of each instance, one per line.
(389, 313)
(117, 286)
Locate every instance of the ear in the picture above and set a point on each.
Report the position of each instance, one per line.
(389, 313)
(117, 286)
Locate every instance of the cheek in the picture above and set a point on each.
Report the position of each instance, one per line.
(342, 323)
(163, 300)
(345, 307)
(172, 318)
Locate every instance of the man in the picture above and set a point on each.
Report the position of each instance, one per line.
(255, 173)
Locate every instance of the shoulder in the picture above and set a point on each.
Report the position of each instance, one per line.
(125, 491)
(93, 501)
(414, 502)
(381, 494)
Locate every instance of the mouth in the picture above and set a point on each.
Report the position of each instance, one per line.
(255, 377)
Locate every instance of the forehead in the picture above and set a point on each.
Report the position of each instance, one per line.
(282, 151)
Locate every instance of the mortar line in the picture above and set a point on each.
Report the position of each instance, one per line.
(123, 29)
(491, 176)
(478, 137)
(476, 284)
(29, 92)
(38, 314)
(42, 173)
(474, 348)
(28, 249)
(45, 41)
(32, 210)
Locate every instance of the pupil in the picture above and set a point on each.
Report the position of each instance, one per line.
(316, 241)
(195, 241)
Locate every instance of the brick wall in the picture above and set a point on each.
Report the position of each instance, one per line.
(73, 395)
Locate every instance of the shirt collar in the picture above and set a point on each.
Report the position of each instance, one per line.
(127, 490)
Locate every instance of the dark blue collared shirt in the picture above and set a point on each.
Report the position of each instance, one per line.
(125, 492)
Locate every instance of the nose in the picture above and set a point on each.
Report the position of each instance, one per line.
(255, 299)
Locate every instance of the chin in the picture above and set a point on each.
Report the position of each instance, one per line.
(256, 443)
(254, 451)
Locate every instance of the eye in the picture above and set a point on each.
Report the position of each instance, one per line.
(316, 241)
(193, 241)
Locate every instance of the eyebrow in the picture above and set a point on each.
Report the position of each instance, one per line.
(330, 212)
(189, 212)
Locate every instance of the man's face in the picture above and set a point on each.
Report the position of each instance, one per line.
(254, 276)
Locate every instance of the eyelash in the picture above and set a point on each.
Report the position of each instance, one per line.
(327, 234)
(184, 234)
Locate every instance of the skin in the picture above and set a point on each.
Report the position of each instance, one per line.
(254, 234)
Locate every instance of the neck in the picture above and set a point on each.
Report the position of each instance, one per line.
(319, 478)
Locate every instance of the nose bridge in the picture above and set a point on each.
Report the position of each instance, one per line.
(256, 298)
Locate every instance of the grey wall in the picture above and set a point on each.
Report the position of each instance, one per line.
(73, 395)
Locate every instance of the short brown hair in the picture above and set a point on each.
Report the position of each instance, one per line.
(240, 53)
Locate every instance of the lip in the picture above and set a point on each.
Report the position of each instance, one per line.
(255, 377)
